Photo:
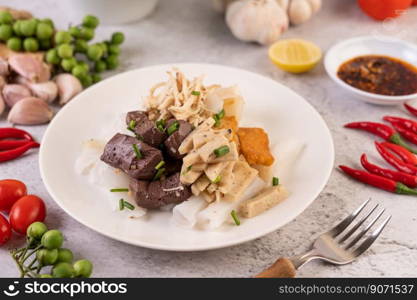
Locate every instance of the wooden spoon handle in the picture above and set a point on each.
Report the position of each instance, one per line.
(282, 268)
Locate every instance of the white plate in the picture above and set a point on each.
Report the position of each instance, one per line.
(284, 114)
(366, 45)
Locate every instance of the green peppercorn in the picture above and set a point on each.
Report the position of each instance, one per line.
(6, 32)
(100, 66)
(68, 63)
(87, 33)
(112, 62)
(5, 17)
(114, 49)
(81, 46)
(44, 31)
(94, 52)
(62, 37)
(117, 38)
(28, 27)
(14, 44)
(31, 44)
(90, 21)
(52, 57)
(65, 51)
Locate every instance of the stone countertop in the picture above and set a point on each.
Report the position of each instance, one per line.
(189, 30)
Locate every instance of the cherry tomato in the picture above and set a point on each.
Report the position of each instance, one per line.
(384, 9)
(10, 191)
(25, 211)
(5, 230)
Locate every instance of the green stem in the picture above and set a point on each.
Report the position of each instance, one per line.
(30, 254)
(19, 266)
(396, 139)
(405, 190)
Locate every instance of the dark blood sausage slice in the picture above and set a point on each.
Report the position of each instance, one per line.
(119, 153)
(173, 142)
(159, 193)
(146, 128)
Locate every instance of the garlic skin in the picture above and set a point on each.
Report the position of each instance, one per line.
(4, 67)
(30, 67)
(68, 87)
(30, 111)
(47, 91)
(13, 93)
(261, 21)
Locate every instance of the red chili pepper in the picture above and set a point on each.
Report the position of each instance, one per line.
(15, 153)
(409, 135)
(411, 109)
(11, 132)
(379, 181)
(11, 144)
(383, 131)
(405, 123)
(407, 179)
(395, 161)
(403, 153)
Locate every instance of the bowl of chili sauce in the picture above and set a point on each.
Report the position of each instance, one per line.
(375, 69)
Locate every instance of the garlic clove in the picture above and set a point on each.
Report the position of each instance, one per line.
(47, 91)
(21, 80)
(299, 11)
(68, 87)
(30, 66)
(261, 21)
(13, 93)
(30, 111)
(4, 67)
(283, 4)
(2, 105)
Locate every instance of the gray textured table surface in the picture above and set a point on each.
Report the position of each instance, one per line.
(187, 30)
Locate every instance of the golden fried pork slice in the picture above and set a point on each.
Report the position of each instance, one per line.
(254, 145)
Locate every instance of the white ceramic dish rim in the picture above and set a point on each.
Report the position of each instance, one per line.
(156, 246)
(334, 77)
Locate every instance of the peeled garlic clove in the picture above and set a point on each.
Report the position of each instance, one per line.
(4, 67)
(13, 93)
(68, 87)
(261, 21)
(47, 91)
(299, 11)
(2, 105)
(30, 66)
(30, 111)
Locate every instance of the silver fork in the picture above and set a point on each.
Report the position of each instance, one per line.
(334, 245)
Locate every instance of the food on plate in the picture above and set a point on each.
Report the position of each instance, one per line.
(14, 143)
(254, 145)
(294, 55)
(384, 9)
(379, 74)
(11, 190)
(25, 211)
(186, 152)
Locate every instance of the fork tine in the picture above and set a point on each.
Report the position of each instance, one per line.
(335, 231)
(371, 239)
(357, 225)
(364, 231)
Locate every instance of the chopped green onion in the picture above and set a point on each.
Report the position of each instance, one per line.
(132, 124)
(174, 127)
(217, 117)
(159, 165)
(121, 204)
(221, 151)
(119, 190)
(137, 151)
(128, 205)
(195, 93)
(159, 173)
(160, 124)
(235, 217)
(275, 181)
(217, 179)
(221, 114)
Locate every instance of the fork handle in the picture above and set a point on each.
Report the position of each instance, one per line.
(282, 268)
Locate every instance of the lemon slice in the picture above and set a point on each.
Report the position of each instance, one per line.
(295, 55)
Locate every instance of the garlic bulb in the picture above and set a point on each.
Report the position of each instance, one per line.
(13, 93)
(30, 111)
(261, 21)
(68, 87)
(47, 91)
(300, 11)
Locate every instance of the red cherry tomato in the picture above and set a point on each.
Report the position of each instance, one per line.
(384, 9)
(10, 191)
(25, 211)
(5, 230)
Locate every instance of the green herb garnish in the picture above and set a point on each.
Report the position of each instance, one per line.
(195, 93)
(124, 204)
(275, 181)
(217, 179)
(119, 190)
(159, 173)
(159, 165)
(217, 117)
(235, 217)
(188, 169)
(137, 151)
(121, 204)
(173, 127)
(221, 151)
(160, 124)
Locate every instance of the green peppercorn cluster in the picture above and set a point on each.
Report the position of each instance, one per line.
(69, 51)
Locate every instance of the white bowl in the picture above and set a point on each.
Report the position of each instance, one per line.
(370, 45)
